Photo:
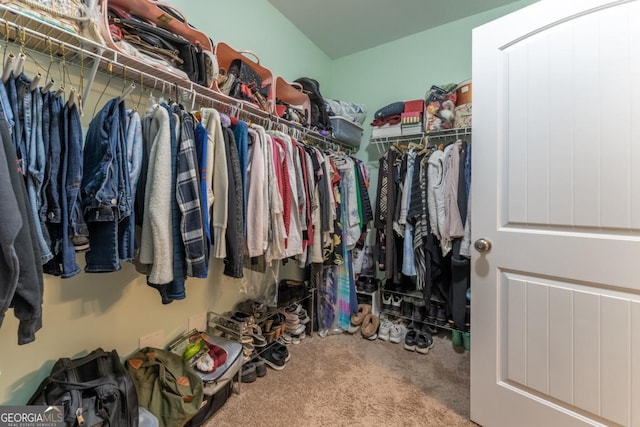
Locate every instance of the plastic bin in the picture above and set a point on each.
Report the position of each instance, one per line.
(346, 131)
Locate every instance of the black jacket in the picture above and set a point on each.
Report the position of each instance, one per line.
(24, 291)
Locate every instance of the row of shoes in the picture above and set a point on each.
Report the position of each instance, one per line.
(416, 337)
(367, 284)
(296, 320)
(415, 308)
(275, 355)
(246, 331)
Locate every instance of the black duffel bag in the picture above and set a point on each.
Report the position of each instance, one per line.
(92, 390)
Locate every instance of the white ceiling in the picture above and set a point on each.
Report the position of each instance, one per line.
(343, 27)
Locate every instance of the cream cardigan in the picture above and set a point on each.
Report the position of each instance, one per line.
(156, 246)
(218, 187)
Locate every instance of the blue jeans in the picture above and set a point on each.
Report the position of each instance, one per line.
(51, 209)
(31, 154)
(106, 200)
(134, 152)
(35, 175)
(52, 188)
(16, 135)
(5, 104)
(73, 226)
(133, 135)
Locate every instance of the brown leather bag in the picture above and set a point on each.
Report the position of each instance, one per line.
(291, 94)
(229, 57)
(130, 25)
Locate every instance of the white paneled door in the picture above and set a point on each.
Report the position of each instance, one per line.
(556, 192)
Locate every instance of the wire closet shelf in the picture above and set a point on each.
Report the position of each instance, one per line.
(25, 31)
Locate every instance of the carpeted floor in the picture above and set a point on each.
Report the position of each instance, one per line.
(345, 380)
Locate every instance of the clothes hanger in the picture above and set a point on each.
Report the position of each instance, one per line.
(126, 92)
(72, 97)
(48, 78)
(19, 67)
(48, 86)
(9, 65)
(110, 71)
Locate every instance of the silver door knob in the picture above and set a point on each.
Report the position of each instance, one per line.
(482, 245)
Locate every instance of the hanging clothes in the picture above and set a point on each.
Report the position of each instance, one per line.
(234, 261)
(105, 190)
(21, 281)
(188, 196)
(219, 185)
(257, 192)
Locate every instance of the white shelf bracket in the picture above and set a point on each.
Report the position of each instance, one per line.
(92, 75)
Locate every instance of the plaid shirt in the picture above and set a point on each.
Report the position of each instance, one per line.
(188, 197)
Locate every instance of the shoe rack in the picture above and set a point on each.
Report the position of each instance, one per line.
(368, 291)
(395, 304)
(371, 298)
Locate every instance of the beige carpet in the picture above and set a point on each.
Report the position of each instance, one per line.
(345, 380)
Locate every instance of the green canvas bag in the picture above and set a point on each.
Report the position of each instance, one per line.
(166, 385)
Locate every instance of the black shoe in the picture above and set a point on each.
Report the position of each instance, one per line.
(419, 307)
(249, 373)
(386, 301)
(371, 285)
(396, 303)
(275, 356)
(261, 366)
(410, 340)
(433, 310)
(441, 316)
(407, 306)
(424, 343)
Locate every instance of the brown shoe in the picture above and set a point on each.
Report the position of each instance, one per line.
(363, 310)
(370, 326)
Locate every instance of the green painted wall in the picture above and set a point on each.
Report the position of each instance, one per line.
(405, 69)
(257, 26)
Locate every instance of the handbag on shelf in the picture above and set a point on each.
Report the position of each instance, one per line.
(159, 34)
(244, 79)
(92, 390)
(291, 102)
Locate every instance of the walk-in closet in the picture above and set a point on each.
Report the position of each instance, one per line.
(319, 213)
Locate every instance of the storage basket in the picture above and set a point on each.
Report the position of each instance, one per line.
(463, 105)
(346, 131)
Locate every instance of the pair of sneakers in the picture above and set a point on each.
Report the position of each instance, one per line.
(253, 369)
(392, 332)
(391, 302)
(418, 341)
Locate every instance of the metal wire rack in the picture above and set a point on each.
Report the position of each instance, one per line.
(30, 32)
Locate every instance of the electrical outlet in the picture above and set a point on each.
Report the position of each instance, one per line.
(155, 340)
(198, 321)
